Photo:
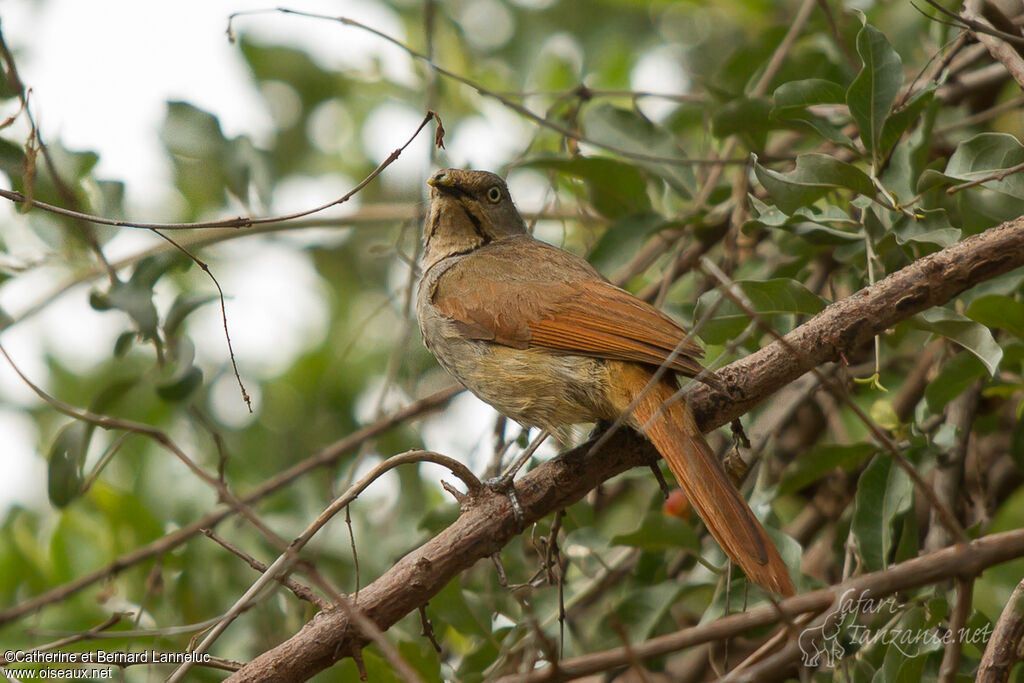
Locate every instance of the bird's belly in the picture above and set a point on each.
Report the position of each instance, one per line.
(534, 387)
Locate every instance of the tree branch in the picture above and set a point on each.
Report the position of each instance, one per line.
(488, 522)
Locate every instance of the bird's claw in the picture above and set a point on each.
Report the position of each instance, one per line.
(506, 484)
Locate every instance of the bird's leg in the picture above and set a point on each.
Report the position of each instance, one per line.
(505, 482)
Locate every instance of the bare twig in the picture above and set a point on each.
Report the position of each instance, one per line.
(1001, 651)
(301, 592)
(998, 175)
(487, 92)
(239, 222)
(962, 609)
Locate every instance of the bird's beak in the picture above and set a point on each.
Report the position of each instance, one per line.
(441, 180)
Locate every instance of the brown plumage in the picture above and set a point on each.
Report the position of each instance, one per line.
(540, 335)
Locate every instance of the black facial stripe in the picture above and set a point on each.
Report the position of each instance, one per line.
(453, 191)
(478, 227)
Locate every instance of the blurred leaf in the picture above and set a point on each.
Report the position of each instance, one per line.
(12, 160)
(748, 118)
(985, 155)
(658, 531)
(184, 305)
(1017, 443)
(958, 373)
(821, 460)
(973, 336)
(767, 297)
(191, 132)
(181, 386)
(643, 608)
(815, 176)
(623, 237)
(628, 131)
(66, 460)
(998, 311)
(871, 95)
(183, 378)
(616, 189)
(800, 94)
(884, 491)
(883, 412)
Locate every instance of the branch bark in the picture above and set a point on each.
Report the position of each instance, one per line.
(487, 522)
(961, 560)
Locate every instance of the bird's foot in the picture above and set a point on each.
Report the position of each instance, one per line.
(505, 484)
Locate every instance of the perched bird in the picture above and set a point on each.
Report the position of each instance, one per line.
(540, 335)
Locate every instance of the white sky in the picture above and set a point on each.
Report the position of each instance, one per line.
(101, 73)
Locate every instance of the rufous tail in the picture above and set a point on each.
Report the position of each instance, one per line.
(674, 432)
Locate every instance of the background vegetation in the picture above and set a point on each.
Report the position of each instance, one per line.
(805, 149)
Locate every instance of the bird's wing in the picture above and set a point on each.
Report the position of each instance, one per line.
(523, 293)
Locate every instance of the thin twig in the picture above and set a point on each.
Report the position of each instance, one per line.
(487, 92)
(301, 592)
(997, 175)
(239, 222)
(329, 455)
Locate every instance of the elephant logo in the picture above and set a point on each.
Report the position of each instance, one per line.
(820, 645)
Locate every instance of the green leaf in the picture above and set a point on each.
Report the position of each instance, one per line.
(184, 378)
(66, 460)
(749, 118)
(124, 344)
(985, 155)
(191, 132)
(623, 237)
(815, 176)
(871, 95)
(643, 608)
(183, 305)
(1017, 443)
(1001, 312)
(615, 189)
(811, 91)
(973, 336)
(658, 531)
(821, 460)
(135, 297)
(628, 131)
(137, 302)
(884, 491)
(814, 224)
(953, 379)
(182, 386)
(767, 297)
(899, 122)
(932, 227)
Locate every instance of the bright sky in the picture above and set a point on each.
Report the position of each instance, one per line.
(101, 73)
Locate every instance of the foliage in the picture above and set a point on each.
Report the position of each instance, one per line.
(856, 154)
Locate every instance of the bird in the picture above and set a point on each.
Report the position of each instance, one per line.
(539, 334)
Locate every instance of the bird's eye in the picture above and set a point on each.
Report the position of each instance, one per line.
(494, 194)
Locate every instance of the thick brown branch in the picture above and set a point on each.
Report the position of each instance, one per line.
(488, 523)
